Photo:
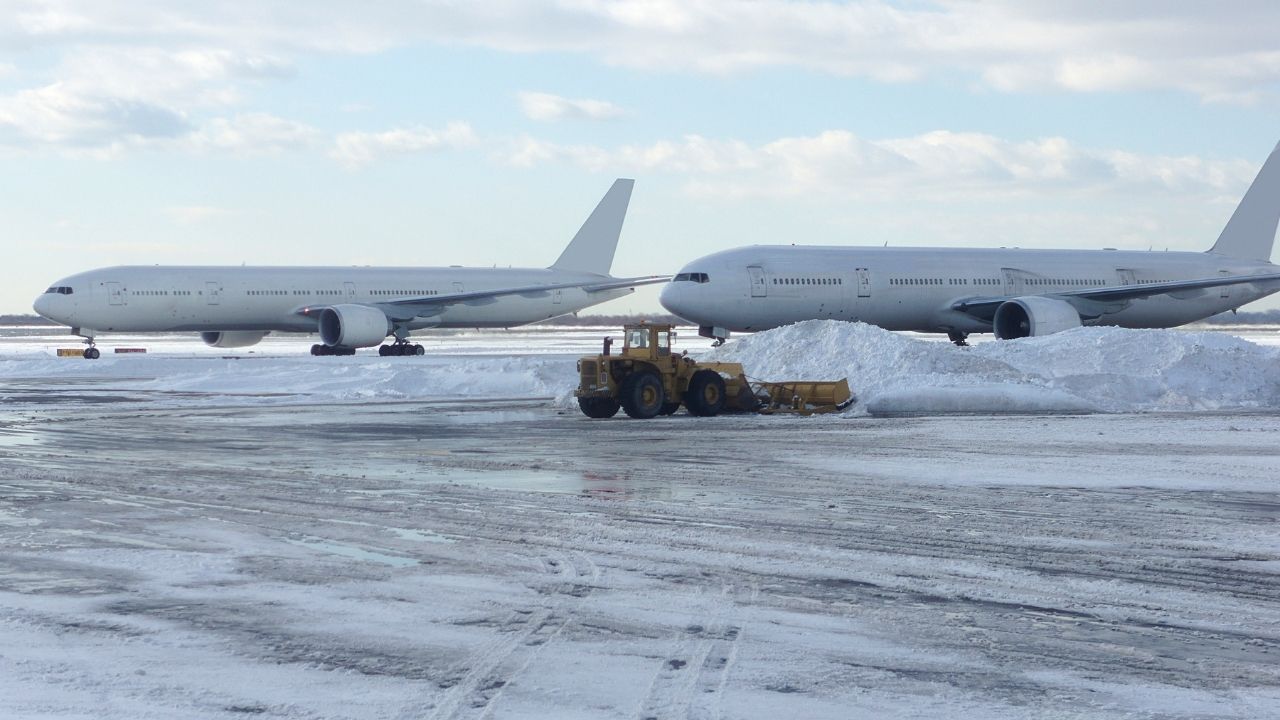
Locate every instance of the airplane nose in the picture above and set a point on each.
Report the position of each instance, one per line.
(41, 306)
(674, 299)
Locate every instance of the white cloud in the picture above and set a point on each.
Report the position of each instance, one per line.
(357, 149)
(65, 115)
(1216, 52)
(252, 134)
(547, 107)
(936, 165)
(130, 74)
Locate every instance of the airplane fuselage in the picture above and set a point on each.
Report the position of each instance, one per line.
(194, 298)
(761, 287)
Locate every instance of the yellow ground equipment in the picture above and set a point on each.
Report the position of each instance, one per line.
(648, 379)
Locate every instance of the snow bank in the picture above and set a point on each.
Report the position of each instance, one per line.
(1082, 370)
(182, 380)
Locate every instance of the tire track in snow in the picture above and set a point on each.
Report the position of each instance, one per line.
(501, 661)
(690, 681)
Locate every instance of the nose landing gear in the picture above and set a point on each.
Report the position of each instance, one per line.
(91, 352)
(718, 334)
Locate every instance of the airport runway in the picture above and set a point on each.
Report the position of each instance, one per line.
(509, 559)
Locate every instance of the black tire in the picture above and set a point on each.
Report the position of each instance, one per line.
(419, 350)
(642, 395)
(598, 407)
(705, 397)
(384, 350)
(669, 408)
(94, 353)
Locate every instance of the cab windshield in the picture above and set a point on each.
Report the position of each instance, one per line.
(638, 339)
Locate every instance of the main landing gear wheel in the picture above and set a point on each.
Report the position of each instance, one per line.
(642, 395)
(92, 353)
(705, 397)
(598, 407)
(401, 349)
(331, 350)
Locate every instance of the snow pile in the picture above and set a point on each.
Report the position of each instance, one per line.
(180, 380)
(1082, 370)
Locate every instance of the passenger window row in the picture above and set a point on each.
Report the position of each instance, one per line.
(808, 281)
(1055, 281)
(404, 293)
(996, 282)
(915, 281)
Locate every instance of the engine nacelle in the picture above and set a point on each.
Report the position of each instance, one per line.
(1033, 316)
(232, 338)
(353, 326)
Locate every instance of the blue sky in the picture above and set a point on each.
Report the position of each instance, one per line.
(435, 133)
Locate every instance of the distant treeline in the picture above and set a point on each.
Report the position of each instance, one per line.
(25, 320)
(611, 320)
(1264, 317)
(567, 320)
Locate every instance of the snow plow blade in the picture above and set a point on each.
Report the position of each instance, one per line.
(802, 397)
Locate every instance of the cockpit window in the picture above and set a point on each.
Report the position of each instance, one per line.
(691, 277)
(58, 290)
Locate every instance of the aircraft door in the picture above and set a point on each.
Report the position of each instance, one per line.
(555, 297)
(114, 294)
(759, 288)
(1226, 289)
(1126, 277)
(212, 291)
(864, 282)
(458, 287)
(1013, 281)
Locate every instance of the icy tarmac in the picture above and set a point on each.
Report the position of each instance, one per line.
(183, 536)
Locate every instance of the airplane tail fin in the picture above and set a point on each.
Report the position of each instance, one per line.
(591, 250)
(1250, 234)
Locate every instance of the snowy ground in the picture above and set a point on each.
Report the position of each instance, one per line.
(444, 537)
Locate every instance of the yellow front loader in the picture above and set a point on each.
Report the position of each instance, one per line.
(648, 379)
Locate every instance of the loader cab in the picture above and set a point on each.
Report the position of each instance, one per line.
(648, 341)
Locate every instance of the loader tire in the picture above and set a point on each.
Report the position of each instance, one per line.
(642, 395)
(705, 397)
(597, 407)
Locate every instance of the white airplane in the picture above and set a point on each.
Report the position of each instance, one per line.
(350, 307)
(1012, 292)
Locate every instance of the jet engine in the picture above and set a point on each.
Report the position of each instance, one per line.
(353, 326)
(232, 338)
(1033, 316)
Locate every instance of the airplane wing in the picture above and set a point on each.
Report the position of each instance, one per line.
(426, 306)
(1094, 302)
